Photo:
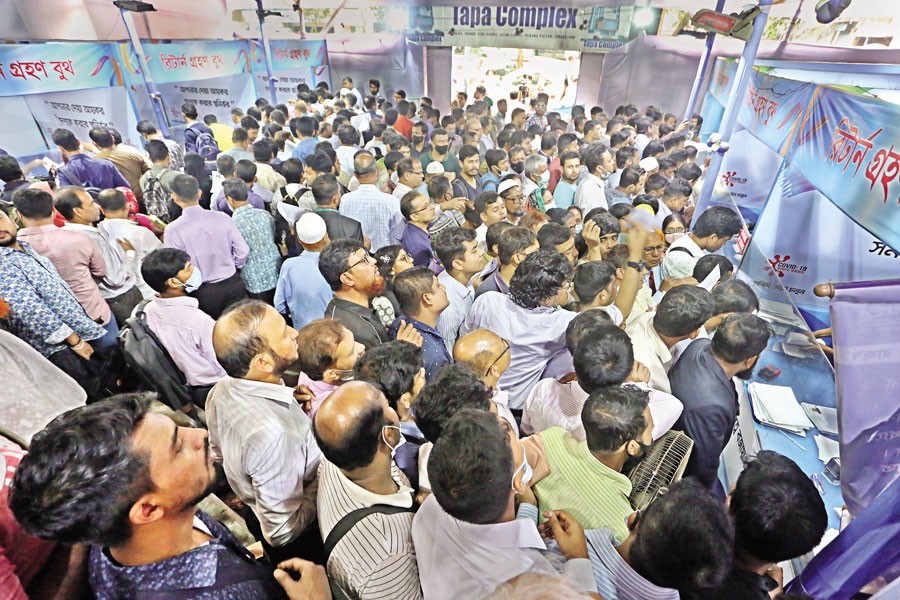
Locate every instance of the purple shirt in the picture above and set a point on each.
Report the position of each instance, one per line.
(91, 172)
(417, 244)
(253, 199)
(186, 333)
(212, 240)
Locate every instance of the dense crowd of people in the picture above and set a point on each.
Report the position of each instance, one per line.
(419, 354)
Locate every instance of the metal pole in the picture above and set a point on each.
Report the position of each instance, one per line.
(735, 99)
(156, 101)
(701, 68)
(268, 51)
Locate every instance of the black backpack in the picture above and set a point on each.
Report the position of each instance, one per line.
(203, 144)
(146, 355)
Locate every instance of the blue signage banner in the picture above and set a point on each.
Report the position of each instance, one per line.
(56, 67)
(191, 61)
(803, 240)
(849, 147)
(748, 170)
(773, 108)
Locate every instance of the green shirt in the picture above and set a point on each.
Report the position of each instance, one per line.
(578, 483)
(450, 162)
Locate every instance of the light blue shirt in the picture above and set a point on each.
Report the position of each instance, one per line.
(301, 289)
(564, 194)
(534, 335)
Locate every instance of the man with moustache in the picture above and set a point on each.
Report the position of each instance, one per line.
(353, 275)
(260, 432)
(127, 481)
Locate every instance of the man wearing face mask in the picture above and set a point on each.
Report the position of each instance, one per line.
(702, 380)
(517, 159)
(419, 146)
(600, 164)
(184, 330)
(469, 537)
(589, 478)
(535, 180)
(440, 152)
(498, 167)
(362, 490)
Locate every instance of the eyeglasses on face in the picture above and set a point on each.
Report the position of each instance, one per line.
(366, 259)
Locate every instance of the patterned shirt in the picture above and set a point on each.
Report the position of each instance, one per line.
(377, 212)
(44, 311)
(257, 227)
(539, 120)
(219, 569)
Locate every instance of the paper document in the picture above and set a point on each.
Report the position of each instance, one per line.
(711, 279)
(776, 405)
(828, 448)
(823, 417)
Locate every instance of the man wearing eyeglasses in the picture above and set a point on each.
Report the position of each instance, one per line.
(419, 212)
(354, 277)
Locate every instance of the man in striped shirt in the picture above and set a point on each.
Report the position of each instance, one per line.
(358, 433)
(652, 562)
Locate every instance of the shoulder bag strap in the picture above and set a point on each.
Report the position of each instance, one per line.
(350, 520)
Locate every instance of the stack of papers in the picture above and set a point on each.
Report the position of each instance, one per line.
(823, 417)
(777, 406)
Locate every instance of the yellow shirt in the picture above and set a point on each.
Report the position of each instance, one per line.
(222, 133)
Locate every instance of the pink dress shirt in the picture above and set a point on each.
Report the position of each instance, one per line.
(212, 240)
(78, 261)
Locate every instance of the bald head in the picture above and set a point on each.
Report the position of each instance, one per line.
(365, 167)
(348, 425)
(478, 350)
(236, 337)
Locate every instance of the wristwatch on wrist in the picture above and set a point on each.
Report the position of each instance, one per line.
(636, 265)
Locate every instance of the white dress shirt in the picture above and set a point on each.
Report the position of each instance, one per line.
(651, 351)
(678, 263)
(555, 404)
(591, 193)
(141, 238)
(266, 444)
(463, 560)
(376, 558)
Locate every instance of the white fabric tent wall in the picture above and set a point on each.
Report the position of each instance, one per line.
(398, 65)
(641, 74)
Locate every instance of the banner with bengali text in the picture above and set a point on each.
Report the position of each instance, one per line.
(192, 61)
(804, 239)
(849, 147)
(723, 73)
(55, 67)
(773, 107)
(81, 110)
(296, 54)
(293, 63)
